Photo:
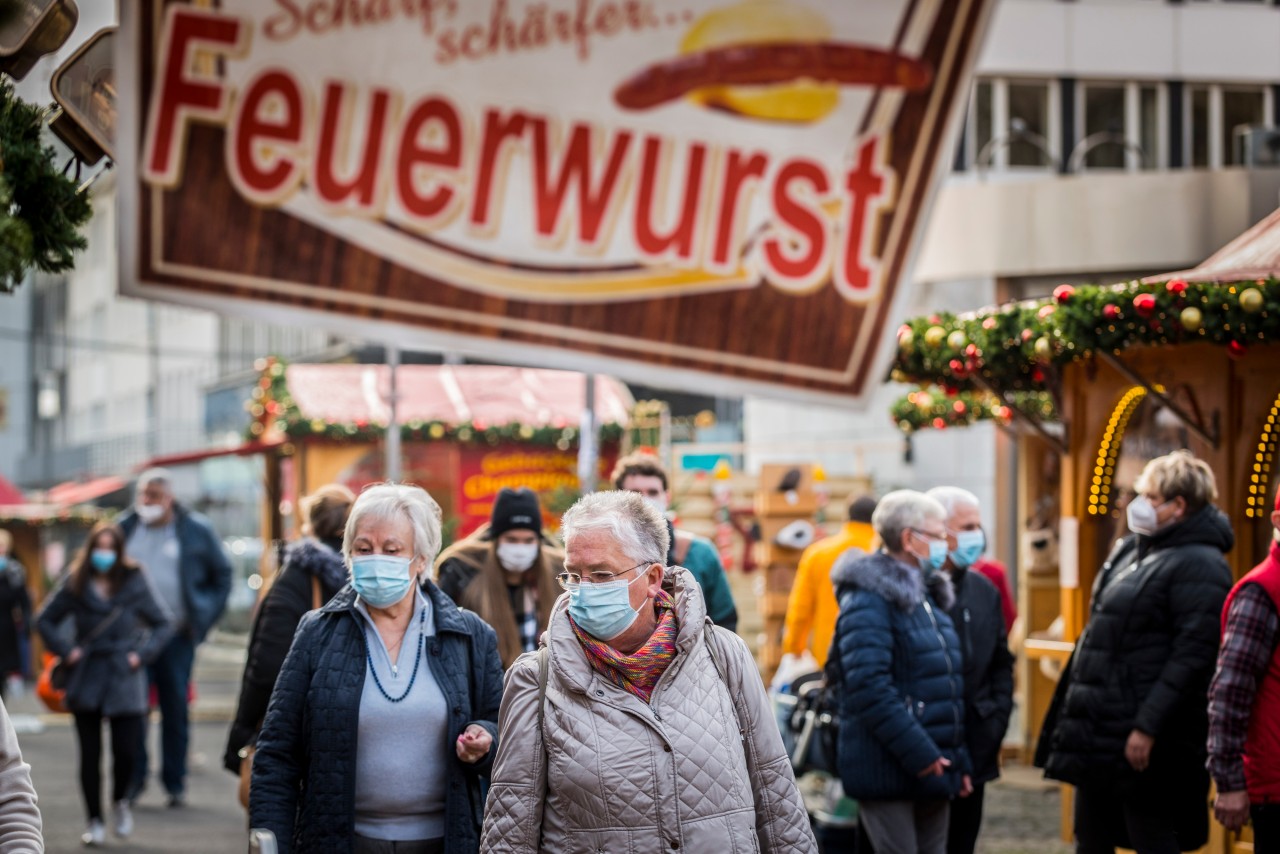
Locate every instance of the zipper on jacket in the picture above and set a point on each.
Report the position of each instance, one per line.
(951, 681)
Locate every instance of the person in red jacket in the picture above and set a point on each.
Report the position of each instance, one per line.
(1244, 704)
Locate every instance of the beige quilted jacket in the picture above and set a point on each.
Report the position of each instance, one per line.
(623, 777)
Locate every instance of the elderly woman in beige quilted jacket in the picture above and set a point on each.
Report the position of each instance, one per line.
(638, 727)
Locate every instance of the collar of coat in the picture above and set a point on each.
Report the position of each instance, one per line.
(447, 615)
(569, 661)
(890, 578)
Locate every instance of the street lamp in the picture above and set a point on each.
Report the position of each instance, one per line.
(85, 88)
(1018, 132)
(31, 28)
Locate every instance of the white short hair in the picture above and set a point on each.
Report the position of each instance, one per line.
(155, 475)
(903, 510)
(389, 501)
(639, 529)
(952, 498)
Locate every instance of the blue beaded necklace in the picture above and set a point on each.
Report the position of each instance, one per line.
(422, 641)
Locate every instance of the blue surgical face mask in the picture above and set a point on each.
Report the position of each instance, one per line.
(4, 561)
(969, 547)
(381, 580)
(937, 555)
(603, 610)
(102, 559)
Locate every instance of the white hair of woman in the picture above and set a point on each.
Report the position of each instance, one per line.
(389, 501)
(639, 529)
(904, 510)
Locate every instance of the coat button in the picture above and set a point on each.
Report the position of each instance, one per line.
(675, 845)
(666, 747)
(599, 693)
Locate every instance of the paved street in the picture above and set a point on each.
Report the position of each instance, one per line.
(211, 823)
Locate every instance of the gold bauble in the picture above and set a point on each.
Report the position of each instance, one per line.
(1251, 300)
(1191, 319)
(934, 336)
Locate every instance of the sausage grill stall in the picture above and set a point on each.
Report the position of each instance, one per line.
(1095, 382)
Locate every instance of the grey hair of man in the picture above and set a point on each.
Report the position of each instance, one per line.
(904, 510)
(155, 475)
(638, 528)
(388, 502)
(953, 498)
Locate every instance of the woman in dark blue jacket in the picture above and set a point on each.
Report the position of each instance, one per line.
(897, 667)
(384, 715)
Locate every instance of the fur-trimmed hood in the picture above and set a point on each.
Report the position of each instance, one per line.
(903, 585)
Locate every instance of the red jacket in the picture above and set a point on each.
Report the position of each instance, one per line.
(1262, 746)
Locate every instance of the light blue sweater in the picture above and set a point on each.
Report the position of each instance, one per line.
(402, 748)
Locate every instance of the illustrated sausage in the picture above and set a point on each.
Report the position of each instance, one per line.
(766, 63)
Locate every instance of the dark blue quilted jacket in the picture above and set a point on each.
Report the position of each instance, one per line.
(304, 770)
(897, 664)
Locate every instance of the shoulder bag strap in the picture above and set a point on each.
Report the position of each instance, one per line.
(544, 671)
(709, 634)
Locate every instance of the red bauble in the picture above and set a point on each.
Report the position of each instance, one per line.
(1177, 287)
(935, 319)
(1111, 311)
(959, 407)
(1236, 350)
(1037, 375)
(1063, 294)
(1046, 311)
(989, 323)
(958, 368)
(951, 390)
(1026, 335)
(939, 424)
(1145, 304)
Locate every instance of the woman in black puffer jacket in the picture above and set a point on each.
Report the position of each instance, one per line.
(1128, 721)
(312, 573)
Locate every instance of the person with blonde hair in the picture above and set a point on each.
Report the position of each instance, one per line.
(383, 720)
(312, 573)
(506, 572)
(1128, 722)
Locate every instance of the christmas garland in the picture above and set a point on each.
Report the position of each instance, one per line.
(938, 409)
(41, 210)
(274, 412)
(1022, 346)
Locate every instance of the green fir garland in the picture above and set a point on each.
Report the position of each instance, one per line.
(41, 210)
(937, 409)
(1022, 346)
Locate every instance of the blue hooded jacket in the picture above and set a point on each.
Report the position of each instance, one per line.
(897, 666)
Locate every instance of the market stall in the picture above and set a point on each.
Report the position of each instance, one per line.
(1096, 381)
(467, 431)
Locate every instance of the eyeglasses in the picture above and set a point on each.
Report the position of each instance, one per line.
(926, 535)
(570, 580)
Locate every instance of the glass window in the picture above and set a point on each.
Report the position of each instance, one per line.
(1149, 126)
(1199, 117)
(1104, 126)
(1240, 108)
(983, 117)
(1029, 113)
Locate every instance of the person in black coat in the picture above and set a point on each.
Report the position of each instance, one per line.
(119, 626)
(384, 718)
(988, 664)
(15, 611)
(897, 671)
(312, 573)
(1129, 719)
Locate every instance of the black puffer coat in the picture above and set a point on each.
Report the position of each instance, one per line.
(1144, 662)
(988, 670)
(304, 771)
(281, 608)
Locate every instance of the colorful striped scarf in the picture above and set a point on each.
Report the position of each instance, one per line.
(640, 671)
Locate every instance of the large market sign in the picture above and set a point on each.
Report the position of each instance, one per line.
(727, 189)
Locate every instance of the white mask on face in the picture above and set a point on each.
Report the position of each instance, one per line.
(149, 514)
(1143, 516)
(659, 503)
(517, 557)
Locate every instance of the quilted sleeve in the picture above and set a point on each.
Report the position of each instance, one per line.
(518, 782)
(486, 705)
(278, 762)
(782, 825)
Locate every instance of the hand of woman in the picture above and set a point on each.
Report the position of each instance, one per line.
(474, 743)
(75, 655)
(134, 661)
(937, 768)
(1137, 750)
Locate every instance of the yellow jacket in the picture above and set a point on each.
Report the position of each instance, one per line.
(812, 609)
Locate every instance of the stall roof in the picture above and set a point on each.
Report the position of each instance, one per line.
(77, 492)
(1255, 254)
(454, 394)
(10, 494)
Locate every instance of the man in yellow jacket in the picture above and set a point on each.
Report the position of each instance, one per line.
(812, 609)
